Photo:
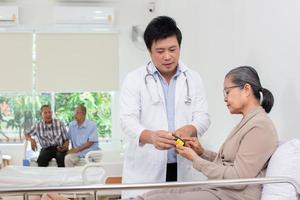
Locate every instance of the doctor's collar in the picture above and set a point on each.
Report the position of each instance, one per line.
(156, 73)
(152, 68)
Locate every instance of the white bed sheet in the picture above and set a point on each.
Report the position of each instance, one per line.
(19, 176)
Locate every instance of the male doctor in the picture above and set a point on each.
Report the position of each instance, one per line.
(157, 100)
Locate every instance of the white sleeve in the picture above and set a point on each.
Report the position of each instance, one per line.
(201, 118)
(130, 107)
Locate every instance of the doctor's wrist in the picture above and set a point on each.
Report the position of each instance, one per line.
(146, 137)
(187, 131)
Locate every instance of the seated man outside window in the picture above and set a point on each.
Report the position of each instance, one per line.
(51, 134)
(83, 135)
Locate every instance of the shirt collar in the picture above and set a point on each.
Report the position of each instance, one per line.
(83, 125)
(178, 71)
(152, 69)
(45, 125)
(180, 68)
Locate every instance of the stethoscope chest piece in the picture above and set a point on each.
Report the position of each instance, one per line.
(188, 100)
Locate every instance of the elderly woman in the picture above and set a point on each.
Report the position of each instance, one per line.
(246, 151)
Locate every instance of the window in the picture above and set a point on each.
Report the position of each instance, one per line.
(18, 112)
(98, 109)
(50, 68)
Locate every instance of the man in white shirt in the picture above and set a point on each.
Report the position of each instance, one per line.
(83, 136)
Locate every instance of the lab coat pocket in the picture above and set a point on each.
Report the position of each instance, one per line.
(149, 162)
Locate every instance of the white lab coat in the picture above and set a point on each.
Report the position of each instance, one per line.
(143, 107)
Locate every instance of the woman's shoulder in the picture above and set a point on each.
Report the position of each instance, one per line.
(262, 118)
(263, 123)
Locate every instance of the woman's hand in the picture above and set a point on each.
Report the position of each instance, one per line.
(194, 143)
(186, 152)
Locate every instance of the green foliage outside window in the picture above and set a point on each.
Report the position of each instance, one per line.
(19, 112)
(98, 109)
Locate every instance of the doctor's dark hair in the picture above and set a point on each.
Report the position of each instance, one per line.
(161, 27)
(246, 74)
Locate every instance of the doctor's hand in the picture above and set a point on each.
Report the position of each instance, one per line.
(163, 140)
(186, 152)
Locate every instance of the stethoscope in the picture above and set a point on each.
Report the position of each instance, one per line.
(188, 99)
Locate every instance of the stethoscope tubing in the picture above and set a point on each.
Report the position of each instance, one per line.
(188, 99)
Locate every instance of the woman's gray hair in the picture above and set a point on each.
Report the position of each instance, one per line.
(246, 74)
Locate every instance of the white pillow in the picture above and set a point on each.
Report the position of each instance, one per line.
(284, 162)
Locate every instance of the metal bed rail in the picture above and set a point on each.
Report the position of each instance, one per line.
(108, 187)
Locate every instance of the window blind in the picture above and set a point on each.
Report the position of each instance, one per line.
(15, 62)
(74, 62)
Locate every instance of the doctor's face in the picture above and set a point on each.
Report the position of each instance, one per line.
(165, 55)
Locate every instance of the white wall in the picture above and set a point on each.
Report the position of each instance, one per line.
(270, 40)
(220, 35)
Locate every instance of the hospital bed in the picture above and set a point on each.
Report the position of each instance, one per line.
(20, 176)
(282, 173)
(92, 172)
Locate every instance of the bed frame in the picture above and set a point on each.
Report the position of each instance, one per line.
(97, 189)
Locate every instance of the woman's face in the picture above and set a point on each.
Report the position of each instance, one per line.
(233, 96)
